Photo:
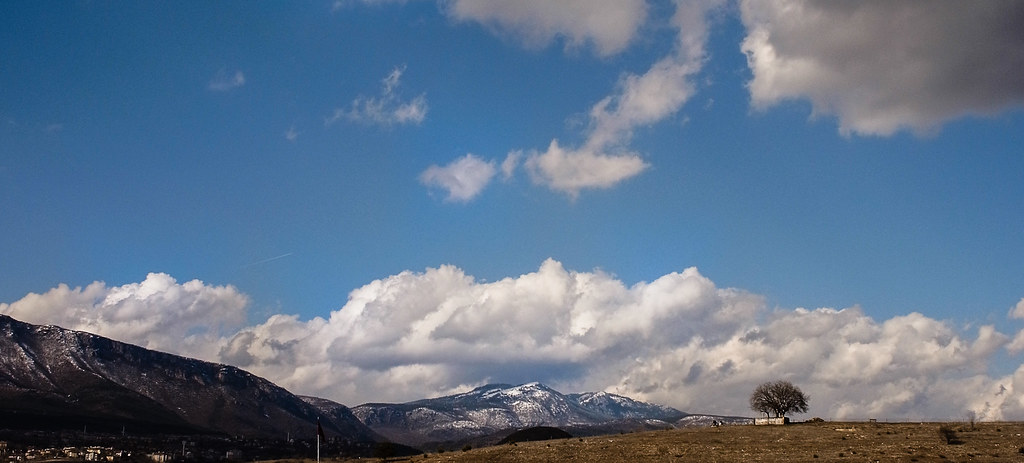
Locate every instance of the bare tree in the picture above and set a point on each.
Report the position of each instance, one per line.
(778, 397)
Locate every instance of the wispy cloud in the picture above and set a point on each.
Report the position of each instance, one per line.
(679, 340)
(387, 108)
(605, 160)
(224, 80)
(291, 134)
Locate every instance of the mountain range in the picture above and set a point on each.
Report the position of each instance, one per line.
(489, 412)
(57, 379)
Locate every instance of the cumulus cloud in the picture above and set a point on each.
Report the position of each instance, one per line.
(609, 25)
(157, 313)
(224, 80)
(880, 67)
(463, 178)
(678, 340)
(387, 108)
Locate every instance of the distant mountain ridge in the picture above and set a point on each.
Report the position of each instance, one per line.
(494, 408)
(53, 378)
(622, 407)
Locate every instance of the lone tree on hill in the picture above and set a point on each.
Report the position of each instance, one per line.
(778, 397)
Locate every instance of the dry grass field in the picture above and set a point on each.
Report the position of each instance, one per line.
(808, 442)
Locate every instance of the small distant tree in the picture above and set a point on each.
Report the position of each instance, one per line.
(779, 398)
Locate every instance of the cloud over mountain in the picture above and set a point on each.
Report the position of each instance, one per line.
(678, 340)
(157, 313)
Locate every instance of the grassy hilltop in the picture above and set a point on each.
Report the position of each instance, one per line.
(809, 442)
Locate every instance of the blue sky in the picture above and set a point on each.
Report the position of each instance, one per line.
(293, 153)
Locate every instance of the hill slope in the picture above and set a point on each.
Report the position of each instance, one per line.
(52, 378)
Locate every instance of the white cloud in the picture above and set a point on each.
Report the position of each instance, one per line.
(570, 171)
(609, 25)
(881, 67)
(158, 313)
(678, 340)
(386, 109)
(463, 179)
(291, 134)
(1018, 310)
(224, 80)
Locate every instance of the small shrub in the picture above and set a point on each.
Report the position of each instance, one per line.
(467, 448)
(948, 435)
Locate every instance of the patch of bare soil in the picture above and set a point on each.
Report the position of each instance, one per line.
(809, 442)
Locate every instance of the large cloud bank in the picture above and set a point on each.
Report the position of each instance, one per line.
(678, 340)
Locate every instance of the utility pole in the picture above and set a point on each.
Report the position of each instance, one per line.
(319, 434)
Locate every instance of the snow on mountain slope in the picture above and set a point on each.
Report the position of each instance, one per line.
(622, 407)
(499, 407)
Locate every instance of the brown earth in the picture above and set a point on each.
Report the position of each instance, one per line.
(809, 442)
